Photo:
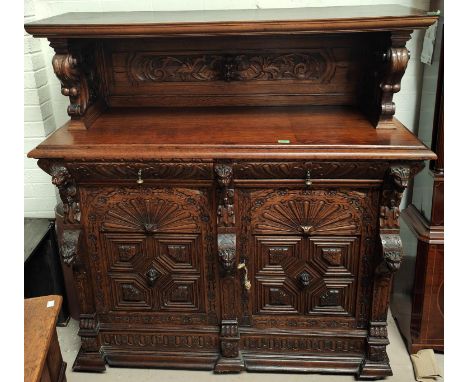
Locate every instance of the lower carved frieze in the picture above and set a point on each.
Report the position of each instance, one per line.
(312, 344)
(298, 323)
(160, 341)
(159, 318)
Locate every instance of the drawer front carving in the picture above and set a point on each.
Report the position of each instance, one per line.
(251, 72)
(157, 254)
(179, 170)
(316, 170)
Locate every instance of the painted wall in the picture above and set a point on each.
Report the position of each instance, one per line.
(45, 107)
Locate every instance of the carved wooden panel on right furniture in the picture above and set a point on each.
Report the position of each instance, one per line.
(419, 308)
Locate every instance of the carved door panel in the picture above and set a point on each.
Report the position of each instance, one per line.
(304, 251)
(153, 251)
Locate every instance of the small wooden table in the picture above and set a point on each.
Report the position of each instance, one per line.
(42, 357)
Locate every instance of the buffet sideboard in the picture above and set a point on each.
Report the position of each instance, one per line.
(230, 184)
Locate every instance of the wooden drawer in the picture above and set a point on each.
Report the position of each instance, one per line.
(140, 171)
(312, 169)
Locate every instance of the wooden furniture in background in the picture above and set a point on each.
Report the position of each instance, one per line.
(42, 357)
(422, 321)
(42, 270)
(231, 183)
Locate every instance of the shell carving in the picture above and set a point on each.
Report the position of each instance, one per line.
(308, 217)
(154, 215)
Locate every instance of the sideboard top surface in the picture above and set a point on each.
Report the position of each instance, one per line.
(253, 132)
(246, 21)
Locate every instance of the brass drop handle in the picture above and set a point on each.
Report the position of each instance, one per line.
(308, 181)
(245, 280)
(139, 180)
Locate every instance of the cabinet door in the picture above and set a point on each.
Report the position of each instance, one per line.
(305, 251)
(152, 252)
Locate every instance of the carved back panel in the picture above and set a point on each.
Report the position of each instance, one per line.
(152, 250)
(254, 71)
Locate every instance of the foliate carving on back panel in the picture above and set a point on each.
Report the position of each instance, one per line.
(307, 213)
(151, 67)
(315, 65)
(155, 215)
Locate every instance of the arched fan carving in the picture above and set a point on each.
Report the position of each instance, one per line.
(307, 217)
(154, 215)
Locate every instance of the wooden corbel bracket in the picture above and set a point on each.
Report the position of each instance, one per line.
(75, 70)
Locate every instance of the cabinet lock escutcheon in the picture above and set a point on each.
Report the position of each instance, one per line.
(308, 181)
(140, 180)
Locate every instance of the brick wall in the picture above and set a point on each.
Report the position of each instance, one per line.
(39, 121)
(45, 107)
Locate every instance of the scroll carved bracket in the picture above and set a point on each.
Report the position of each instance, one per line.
(68, 191)
(75, 71)
(391, 67)
(395, 61)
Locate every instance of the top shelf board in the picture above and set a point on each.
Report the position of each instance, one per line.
(229, 22)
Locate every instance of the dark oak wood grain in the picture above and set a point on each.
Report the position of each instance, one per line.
(231, 185)
(312, 132)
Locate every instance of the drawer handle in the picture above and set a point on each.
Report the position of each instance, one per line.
(308, 181)
(151, 276)
(304, 279)
(139, 180)
(245, 281)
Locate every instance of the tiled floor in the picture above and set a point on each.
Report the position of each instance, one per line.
(69, 343)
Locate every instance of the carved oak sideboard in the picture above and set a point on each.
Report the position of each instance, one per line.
(231, 183)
